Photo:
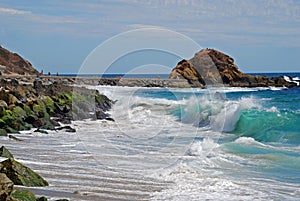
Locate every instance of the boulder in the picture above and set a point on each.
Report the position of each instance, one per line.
(3, 106)
(20, 174)
(22, 194)
(14, 138)
(3, 132)
(210, 67)
(6, 187)
(42, 199)
(5, 153)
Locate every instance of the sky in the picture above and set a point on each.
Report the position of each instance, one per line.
(58, 35)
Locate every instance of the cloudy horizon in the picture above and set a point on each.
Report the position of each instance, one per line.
(58, 35)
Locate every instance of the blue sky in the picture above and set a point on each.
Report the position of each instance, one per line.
(57, 35)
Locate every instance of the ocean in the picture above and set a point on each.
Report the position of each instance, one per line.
(165, 76)
(175, 144)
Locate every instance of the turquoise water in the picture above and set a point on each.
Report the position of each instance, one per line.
(258, 131)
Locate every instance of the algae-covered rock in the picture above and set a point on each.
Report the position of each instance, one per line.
(5, 153)
(13, 120)
(49, 104)
(20, 174)
(23, 195)
(6, 186)
(11, 130)
(3, 132)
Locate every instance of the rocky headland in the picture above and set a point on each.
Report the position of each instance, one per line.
(210, 67)
(12, 63)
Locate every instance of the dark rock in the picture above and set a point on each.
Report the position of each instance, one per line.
(38, 85)
(63, 127)
(71, 130)
(54, 122)
(14, 82)
(109, 119)
(11, 130)
(38, 123)
(31, 119)
(14, 138)
(40, 131)
(42, 199)
(280, 82)
(67, 128)
(5, 153)
(20, 174)
(101, 115)
(6, 187)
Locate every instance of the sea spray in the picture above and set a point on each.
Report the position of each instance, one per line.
(227, 118)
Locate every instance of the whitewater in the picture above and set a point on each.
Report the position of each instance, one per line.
(175, 144)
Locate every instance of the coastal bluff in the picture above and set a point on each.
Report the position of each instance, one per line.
(14, 64)
(210, 67)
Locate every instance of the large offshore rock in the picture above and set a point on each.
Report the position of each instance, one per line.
(20, 174)
(211, 67)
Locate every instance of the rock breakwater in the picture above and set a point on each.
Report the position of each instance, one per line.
(43, 105)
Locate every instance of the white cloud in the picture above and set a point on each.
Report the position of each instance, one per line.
(226, 20)
(14, 11)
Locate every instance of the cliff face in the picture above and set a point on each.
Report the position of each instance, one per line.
(212, 67)
(12, 63)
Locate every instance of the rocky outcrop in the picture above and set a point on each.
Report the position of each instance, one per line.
(43, 105)
(210, 67)
(20, 174)
(12, 63)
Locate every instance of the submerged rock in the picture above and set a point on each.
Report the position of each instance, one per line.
(14, 138)
(5, 153)
(20, 174)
